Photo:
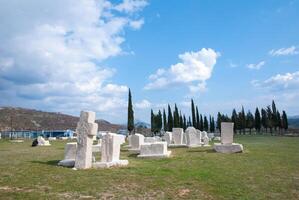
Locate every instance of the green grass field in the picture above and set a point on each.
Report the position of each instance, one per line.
(268, 169)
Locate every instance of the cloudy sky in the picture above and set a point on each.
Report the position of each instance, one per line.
(70, 55)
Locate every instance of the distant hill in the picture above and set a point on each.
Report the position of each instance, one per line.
(29, 119)
(294, 121)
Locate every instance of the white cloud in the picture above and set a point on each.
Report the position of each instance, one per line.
(143, 104)
(280, 82)
(51, 53)
(256, 66)
(136, 24)
(130, 6)
(284, 51)
(194, 70)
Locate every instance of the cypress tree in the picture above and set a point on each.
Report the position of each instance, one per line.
(164, 121)
(181, 121)
(201, 123)
(285, 124)
(269, 119)
(193, 113)
(249, 121)
(234, 119)
(278, 118)
(176, 117)
(170, 119)
(274, 117)
(257, 120)
(243, 120)
(264, 119)
(213, 125)
(205, 124)
(159, 121)
(130, 124)
(184, 123)
(219, 121)
(152, 121)
(197, 119)
(189, 123)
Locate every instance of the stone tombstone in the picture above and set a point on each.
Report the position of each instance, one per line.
(110, 151)
(177, 136)
(69, 155)
(152, 139)
(154, 150)
(198, 134)
(168, 137)
(192, 138)
(42, 142)
(136, 141)
(86, 130)
(227, 132)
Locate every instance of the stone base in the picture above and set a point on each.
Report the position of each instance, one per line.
(228, 148)
(134, 151)
(155, 155)
(43, 145)
(177, 145)
(67, 163)
(207, 145)
(119, 163)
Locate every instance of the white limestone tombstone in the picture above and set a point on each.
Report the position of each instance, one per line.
(154, 150)
(69, 155)
(52, 138)
(42, 142)
(198, 134)
(227, 135)
(136, 141)
(168, 137)
(205, 139)
(192, 138)
(178, 138)
(152, 139)
(86, 129)
(111, 151)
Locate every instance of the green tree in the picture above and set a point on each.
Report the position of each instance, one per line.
(181, 120)
(269, 119)
(189, 123)
(193, 113)
(264, 119)
(152, 121)
(130, 124)
(278, 118)
(284, 121)
(176, 117)
(249, 121)
(243, 120)
(197, 119)
(257, 120)
(184, 123)
(170, 119)
(234, 119)
(205, 124)
(219, 121)
(212, 125)
(164, 121)
(274, 117)
(201, 123)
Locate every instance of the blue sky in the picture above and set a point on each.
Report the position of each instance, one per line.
(65, 57)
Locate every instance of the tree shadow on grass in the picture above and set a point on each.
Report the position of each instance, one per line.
(202, 151)
(49, 162)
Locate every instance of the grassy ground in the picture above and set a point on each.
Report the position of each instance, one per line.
(268, 169)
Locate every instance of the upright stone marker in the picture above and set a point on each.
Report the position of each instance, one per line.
(136, 141)
(86, 129)
(192, 139)
(111, 151)
(69, 155)
(168, 137)
(227, 135)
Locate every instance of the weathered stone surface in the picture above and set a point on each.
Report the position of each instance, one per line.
(228, 148)
(168, 138)
(227, 132)
(205, 139)
(86, 129)
(51, 138)
(192, 138)
(152, 139)
(111, 151)
(217, 138)
(136, 141)
(154, 150)
(177, 135)
(69, 155)
(42, 142)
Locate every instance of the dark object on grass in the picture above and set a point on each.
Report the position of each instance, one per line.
(34, 143)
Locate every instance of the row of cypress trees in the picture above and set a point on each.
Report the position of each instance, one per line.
(266, 119)
(175, 119)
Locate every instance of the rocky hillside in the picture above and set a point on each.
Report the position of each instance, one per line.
(28, 119)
